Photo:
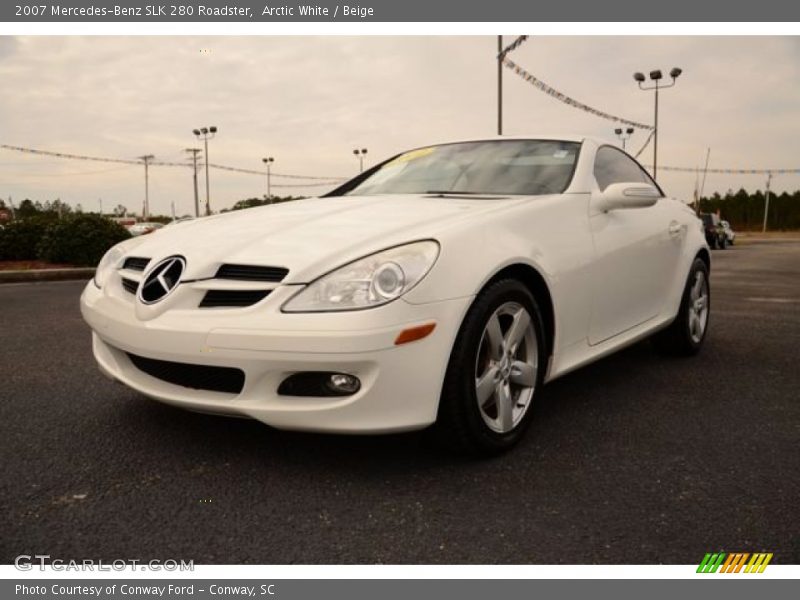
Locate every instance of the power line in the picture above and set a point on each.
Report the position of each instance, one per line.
(646, 142)
(72, 173)
(129, 161)
(321, 179)
(735, 171)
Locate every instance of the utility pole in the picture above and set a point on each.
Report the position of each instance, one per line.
(766, 202)
(500, 85)
(100, 201)
(146, 208)
(194, 152)
(703, 184)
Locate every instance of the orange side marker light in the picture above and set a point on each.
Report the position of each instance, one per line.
(412, 334)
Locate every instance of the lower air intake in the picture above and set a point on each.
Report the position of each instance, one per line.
(197, 377)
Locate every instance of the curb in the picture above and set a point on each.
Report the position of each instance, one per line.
(46, 275)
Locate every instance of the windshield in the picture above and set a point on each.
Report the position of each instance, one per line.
(525, 167)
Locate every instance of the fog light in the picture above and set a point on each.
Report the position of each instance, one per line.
(341, 382)
(320, 384)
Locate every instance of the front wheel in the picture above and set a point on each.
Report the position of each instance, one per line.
(723, 241)
(496, 367)
(686, 334)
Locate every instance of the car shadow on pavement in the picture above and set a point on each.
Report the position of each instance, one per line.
(563, 407)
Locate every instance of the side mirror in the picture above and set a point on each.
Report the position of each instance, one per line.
(628, 195)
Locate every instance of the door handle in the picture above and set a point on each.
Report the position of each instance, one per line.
(675, 228)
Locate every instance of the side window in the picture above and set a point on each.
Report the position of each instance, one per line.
(612, 166)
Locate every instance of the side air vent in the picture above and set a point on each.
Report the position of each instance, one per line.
(130, 285)
(135, 263)
(251, 273)
(232, 298)
(197, 377)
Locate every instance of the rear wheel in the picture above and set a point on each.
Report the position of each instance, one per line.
(723, 241)
(686, 334)
(496, 367)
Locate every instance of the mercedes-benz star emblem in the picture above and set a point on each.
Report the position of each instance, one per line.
(162, 279)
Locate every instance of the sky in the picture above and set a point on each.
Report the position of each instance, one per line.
(309, 101)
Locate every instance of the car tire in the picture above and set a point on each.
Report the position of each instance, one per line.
(495, 371)
(686, 334)
(722, 243)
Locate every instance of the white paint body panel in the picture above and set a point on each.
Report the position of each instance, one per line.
(613, 278)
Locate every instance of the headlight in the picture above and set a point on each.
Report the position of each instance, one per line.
(370, 281)
(107, 265)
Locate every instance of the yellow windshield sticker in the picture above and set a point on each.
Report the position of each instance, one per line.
(409, 156)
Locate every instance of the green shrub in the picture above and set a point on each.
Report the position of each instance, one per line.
(80, 240)
(19, 239)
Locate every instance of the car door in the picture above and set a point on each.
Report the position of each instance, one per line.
(635, 251)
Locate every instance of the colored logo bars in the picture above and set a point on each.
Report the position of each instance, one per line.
(734, 562)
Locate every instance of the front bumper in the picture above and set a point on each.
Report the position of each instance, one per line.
(400, 385)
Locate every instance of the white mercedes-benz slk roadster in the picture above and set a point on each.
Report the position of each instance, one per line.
(442, 287)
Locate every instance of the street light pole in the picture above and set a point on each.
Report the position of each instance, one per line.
(656, 77)
(499, 85)
(268, 161)
(655, 135)
(146, 208)
(205, 134)
(624, 135)
(194, 152)
(360, 154)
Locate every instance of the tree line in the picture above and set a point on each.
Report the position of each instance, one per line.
(57, 208)
(745, 210)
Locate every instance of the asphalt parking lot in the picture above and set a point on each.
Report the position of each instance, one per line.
(634, 459)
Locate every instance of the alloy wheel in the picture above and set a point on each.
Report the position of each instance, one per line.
(698, 307)
(506, 367)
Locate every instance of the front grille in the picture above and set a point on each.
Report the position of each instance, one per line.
(251, 273)
(232, 298)
(130, 285)
(135, 263)
(198, 377)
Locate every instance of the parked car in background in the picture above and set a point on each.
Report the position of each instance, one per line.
(180, 220)
(442, 287)
(715, 233)
(730, 234)
(144, 228)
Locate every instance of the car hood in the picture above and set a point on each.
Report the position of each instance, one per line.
(309, 237)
